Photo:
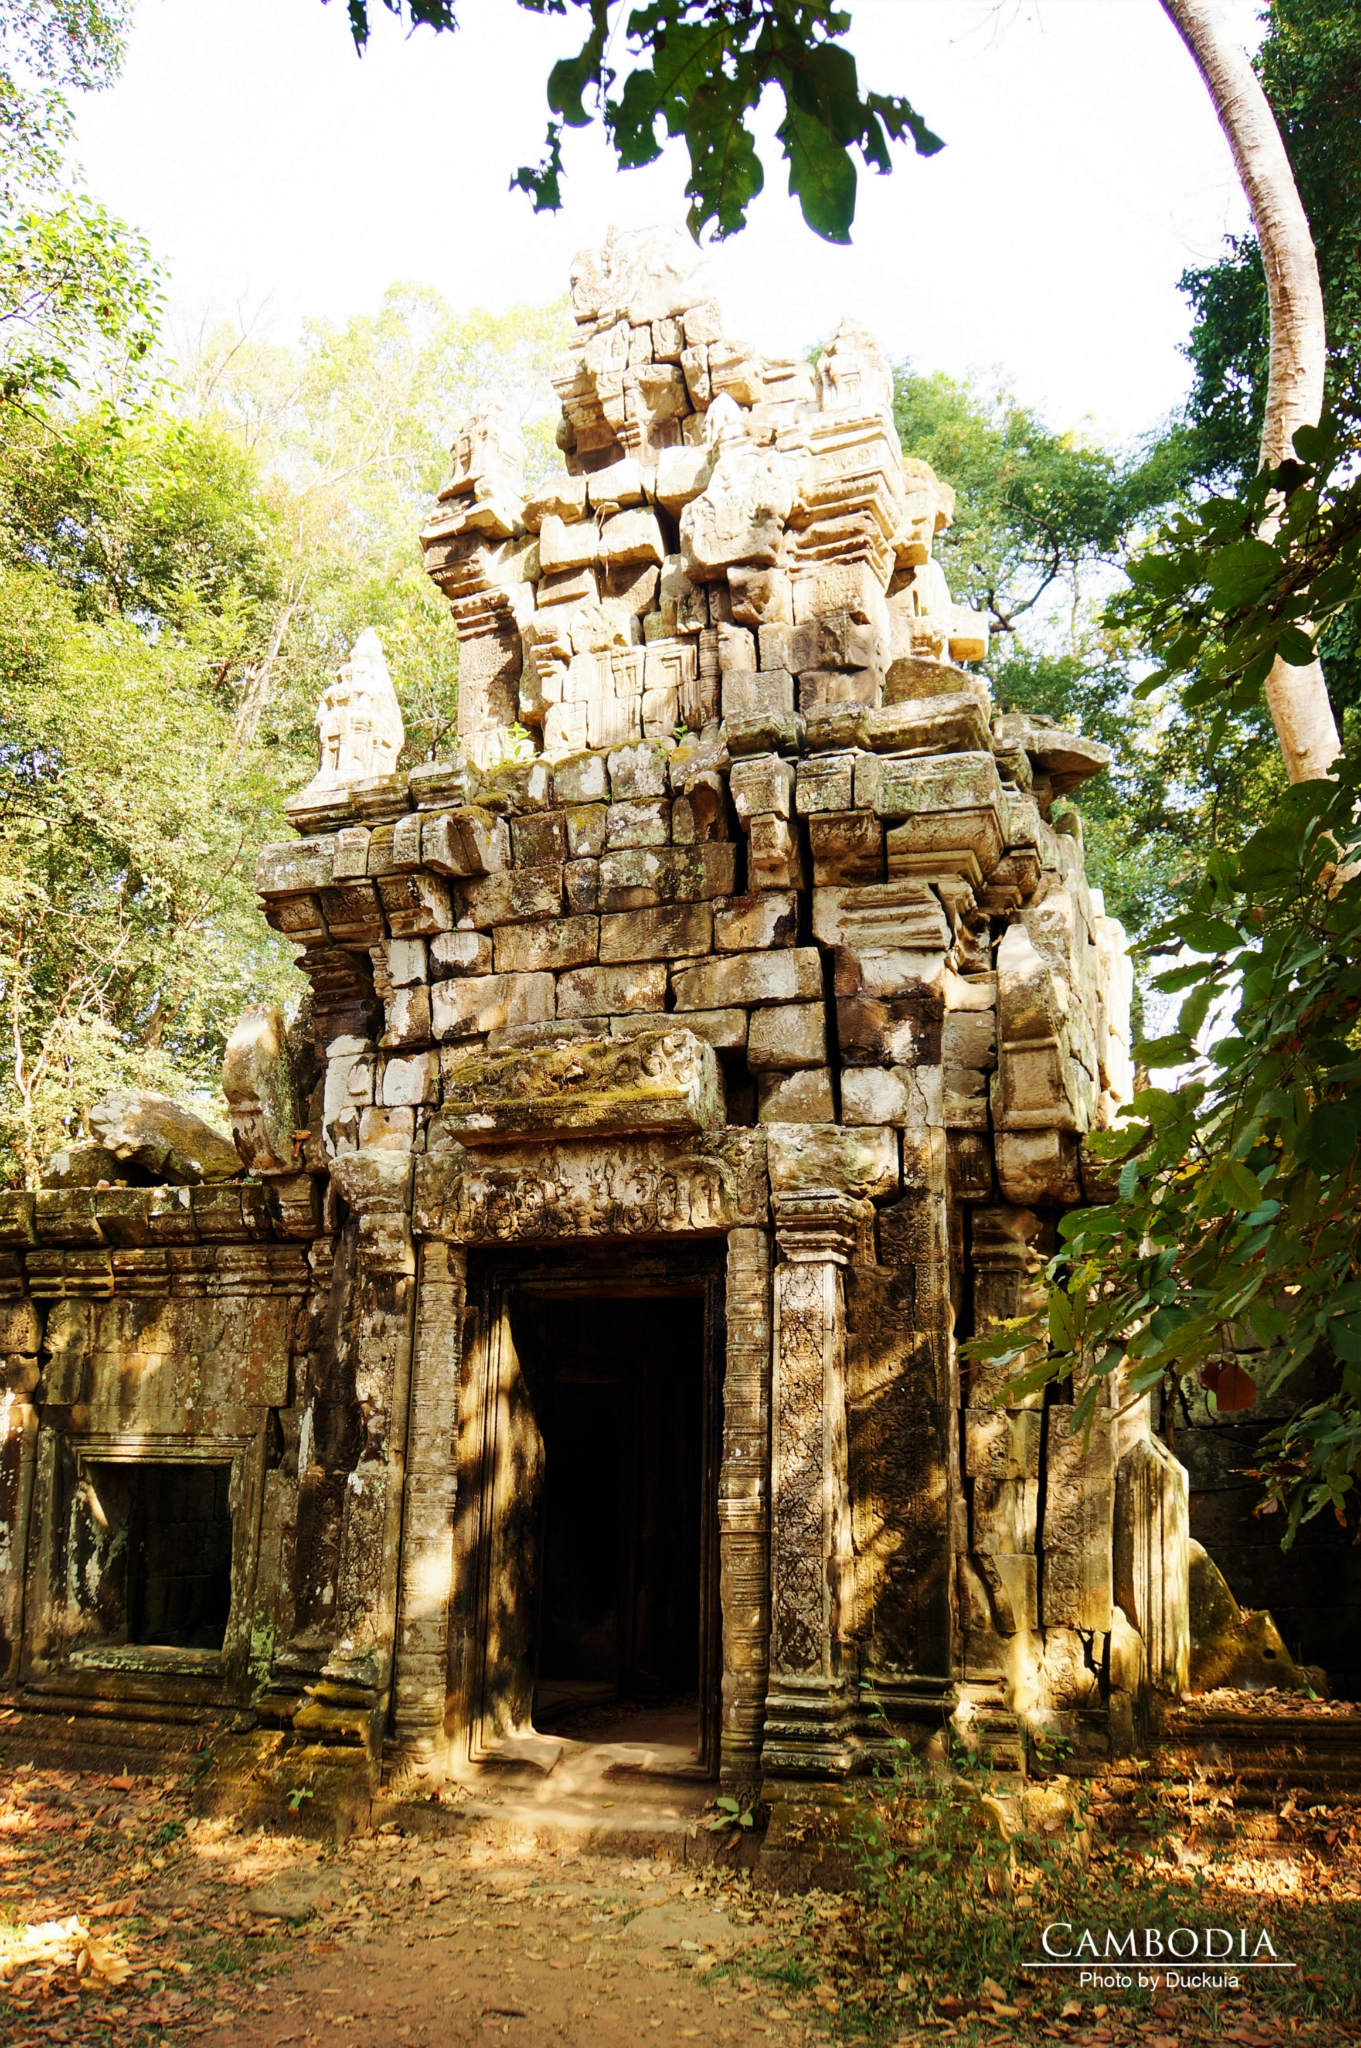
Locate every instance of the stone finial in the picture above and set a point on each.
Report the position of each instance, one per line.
(854, 374)
(638, 274)
(359, 721)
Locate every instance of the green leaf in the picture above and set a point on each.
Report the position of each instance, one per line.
(821, 174)
(1296, 648)
(1242, 571)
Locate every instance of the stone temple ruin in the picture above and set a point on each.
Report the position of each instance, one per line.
(689, 1064)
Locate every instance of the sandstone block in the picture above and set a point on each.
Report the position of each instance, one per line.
(700, 816)
(640, 821)
(581, 887)
(582, 779)
(791, 975)
(787, 1035)
(762, 784)
(860, 1162)
(408, 1017)
(292, 868)
(725, 1030)
(633, 536)
(831, 587)
(952, 724)
(563, 546)
(607, 991)
(638, 772)
(514, 897)
(558, 497)
(999, 1445)
(586, 825)
(407, 962)
(470, 1007)
(881, 917)
(416, 906)
(663, 1081)
(969, 1039)
(669, 933)
(387, 1130)
(162, 1137)
(411, 1081)
(262, 1102)
(774, 855)
(874, 1032)
(757, 690)
(1039, 1169)
(736, 651)
(406, 844)
(752, 923)
(459, 953)
(910, 1097)
(619, 484)
(762, 732)
(681, 475)
(760, 597)
(847, 847)
(353, 914)
(897, 972)
(795, 1098)
(835, 728)
(641, 877)
(825, 782)
(833, 640)
(539, 839)
(546, 947)
(822, 689)
(351, 860)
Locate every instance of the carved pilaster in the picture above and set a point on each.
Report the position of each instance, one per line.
(422, 1658)
(744, 1503)
(809, 1708)
(375, 1347)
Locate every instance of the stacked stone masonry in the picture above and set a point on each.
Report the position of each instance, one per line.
(743, 923)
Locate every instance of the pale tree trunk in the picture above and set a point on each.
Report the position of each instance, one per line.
(1298, 697)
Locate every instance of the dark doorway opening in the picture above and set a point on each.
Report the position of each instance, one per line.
(588, 1494)
(169, 1527)
(618, 1387)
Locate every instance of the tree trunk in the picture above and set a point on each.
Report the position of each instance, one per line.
(1298, 697)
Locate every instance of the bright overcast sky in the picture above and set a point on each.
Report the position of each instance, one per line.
(275, 172)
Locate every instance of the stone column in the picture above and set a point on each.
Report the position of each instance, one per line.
(744, 1504)
(1152, 1534)
(422, 1659)
(810, 1705)
(375, 1347)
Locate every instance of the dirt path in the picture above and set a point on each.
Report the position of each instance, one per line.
(126, 1922)
(535, 1952)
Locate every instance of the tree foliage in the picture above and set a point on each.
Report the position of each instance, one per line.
(75, 283)
(178, 580)
(700, 72)
(1232, 1252)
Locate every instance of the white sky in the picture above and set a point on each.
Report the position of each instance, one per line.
(275, 172)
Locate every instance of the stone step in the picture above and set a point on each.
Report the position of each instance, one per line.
(74, 1730)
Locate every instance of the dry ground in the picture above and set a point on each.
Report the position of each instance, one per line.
(125, 1920)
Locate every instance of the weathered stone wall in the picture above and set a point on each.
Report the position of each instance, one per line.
(165, 1326)
(741, 915)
